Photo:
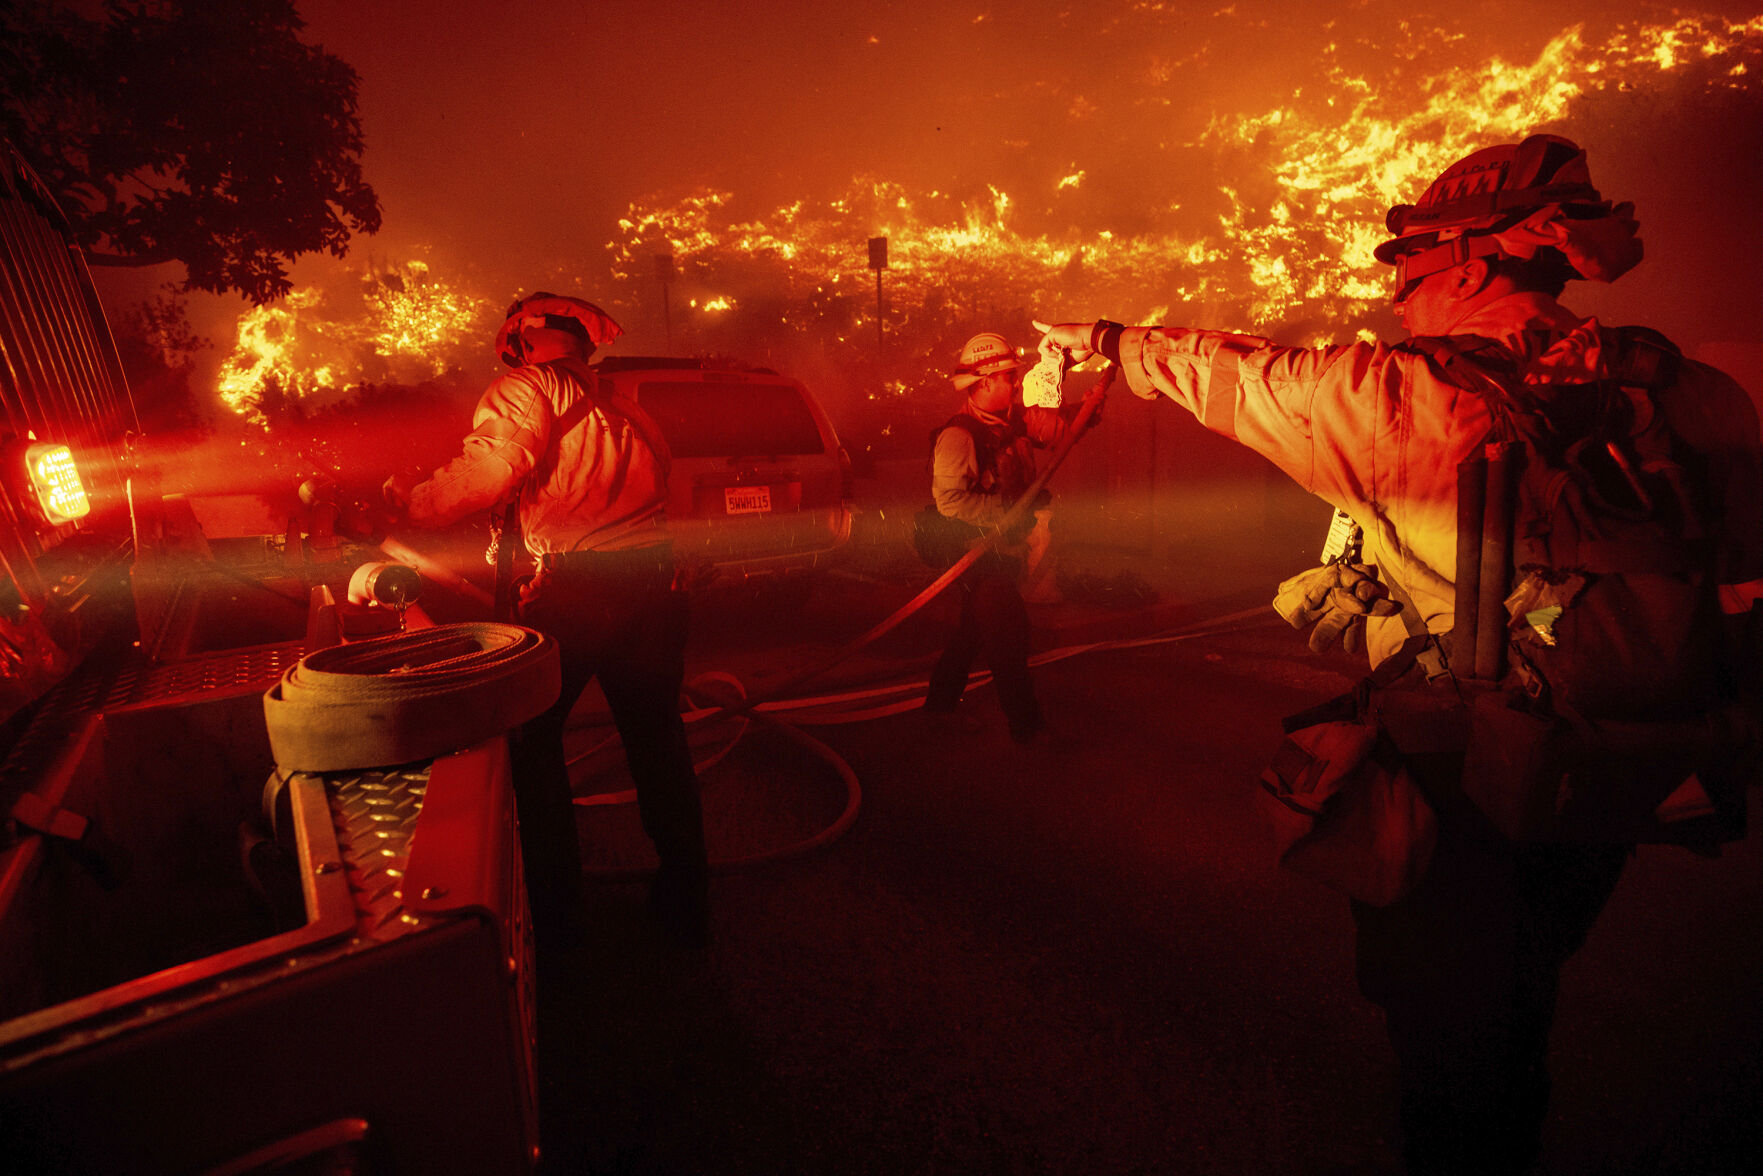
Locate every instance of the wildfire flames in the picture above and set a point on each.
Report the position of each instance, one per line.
(1270, 225)
(411, 327)
(1322, 172)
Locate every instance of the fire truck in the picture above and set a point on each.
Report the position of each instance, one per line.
(211, 962)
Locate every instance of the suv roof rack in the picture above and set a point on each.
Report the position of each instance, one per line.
(634, 363)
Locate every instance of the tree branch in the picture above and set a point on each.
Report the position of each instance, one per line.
(130, 261)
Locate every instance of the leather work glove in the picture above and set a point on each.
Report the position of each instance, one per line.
(1335, 598)
(395, 494)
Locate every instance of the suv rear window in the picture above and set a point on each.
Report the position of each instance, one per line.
(705, 419)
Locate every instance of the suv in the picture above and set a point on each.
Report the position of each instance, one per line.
(760, 488)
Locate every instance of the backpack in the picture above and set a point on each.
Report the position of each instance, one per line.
(1588, 627)
(938, 539)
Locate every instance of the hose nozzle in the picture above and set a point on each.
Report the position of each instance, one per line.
(393, 585)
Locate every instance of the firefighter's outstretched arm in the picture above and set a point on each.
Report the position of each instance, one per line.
(508, 431)
(476, 480)
(1081, 340)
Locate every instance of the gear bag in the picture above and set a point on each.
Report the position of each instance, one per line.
(938, 539)
(1587, 621)
(1343, 807)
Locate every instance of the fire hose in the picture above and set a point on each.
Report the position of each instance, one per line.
(826, 711)
(745, 708)
(1092, 403)
(427, 692)
(409, 696)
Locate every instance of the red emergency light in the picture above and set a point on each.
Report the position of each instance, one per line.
(56, 480)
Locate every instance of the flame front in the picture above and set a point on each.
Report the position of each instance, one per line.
(411, 327)
(1303, 188)
(1263, 221)
(262, 358)
(1336, 177)
(413, 316)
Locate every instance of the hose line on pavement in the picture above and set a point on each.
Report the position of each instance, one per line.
(832, 709)
(744, 706)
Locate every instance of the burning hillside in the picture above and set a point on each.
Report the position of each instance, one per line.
(1286, 203)
(1265, 201)
(408, 327)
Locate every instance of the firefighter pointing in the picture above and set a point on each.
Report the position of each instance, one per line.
(1433, 448)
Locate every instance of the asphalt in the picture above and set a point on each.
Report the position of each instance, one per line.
(1080, 957)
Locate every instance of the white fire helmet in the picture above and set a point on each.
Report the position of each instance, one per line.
(1510, 201)
(583, 319)
(987, 353)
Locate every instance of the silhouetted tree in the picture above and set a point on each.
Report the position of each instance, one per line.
(188, 131)
(158, 350)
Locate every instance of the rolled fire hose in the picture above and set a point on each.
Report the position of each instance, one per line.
(409, 696)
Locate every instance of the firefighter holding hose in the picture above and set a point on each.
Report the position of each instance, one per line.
(1465, 964)
(982, 461)
(587, 475)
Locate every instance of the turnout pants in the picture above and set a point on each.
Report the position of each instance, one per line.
(994, 621)
(615, 617)
(1466, 970)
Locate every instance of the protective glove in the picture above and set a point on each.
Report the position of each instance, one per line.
(363, 522)
(1334, 598)
(395, 491)
(395, 496)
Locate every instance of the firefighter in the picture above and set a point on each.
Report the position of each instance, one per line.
(1466, 965)
(589, 475)
(982, 461)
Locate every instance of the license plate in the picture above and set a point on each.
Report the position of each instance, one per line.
(747, 499)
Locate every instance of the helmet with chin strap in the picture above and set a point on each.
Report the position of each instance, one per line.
(557, 312)
(986, 354)
(1511, 201)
